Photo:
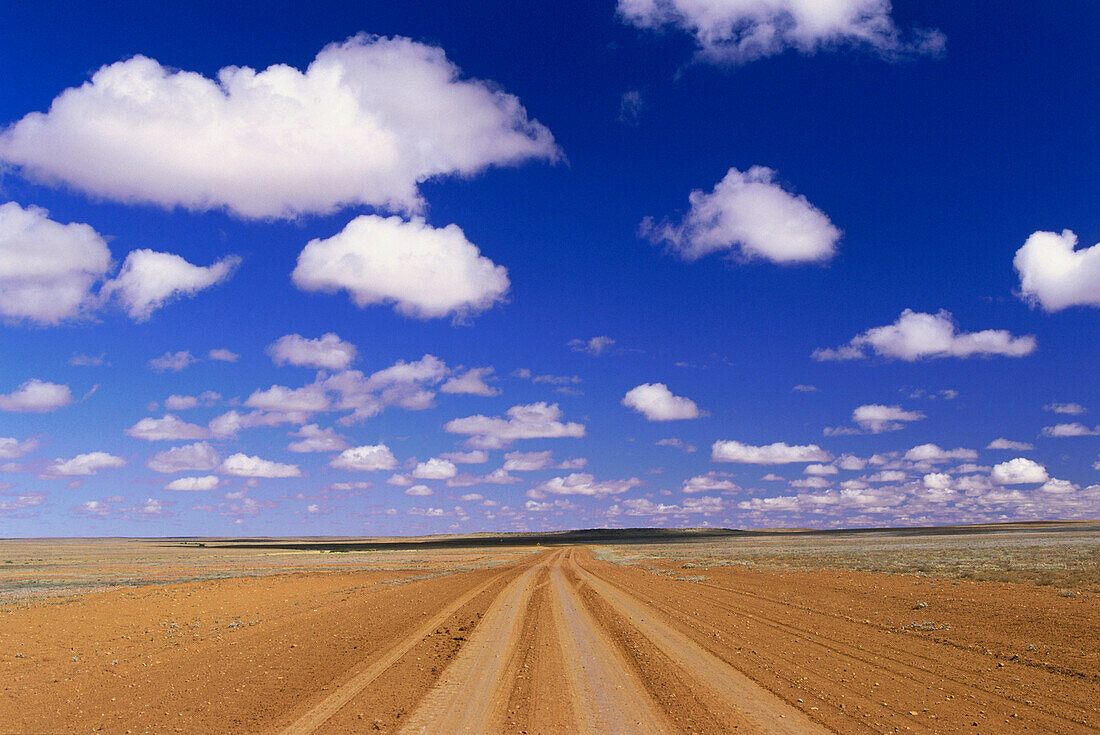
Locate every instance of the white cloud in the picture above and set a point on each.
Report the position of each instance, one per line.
(1055, 275)
(642, 507)
(308, 399)
(676, 443)
(595, 346)
(1073, 409)
(527, 461)
(148, 280)
(223, 355)
(242, 465)
(739, 31)
(419, 491)
(173, 361)
(1019, 471)
(471, 382)
(778, 453)
(937, 481)
(805, 388)
(472, 497)
(573, 463)
(1009, 444)
(367, 458)
(426, 272)
(179, 403)
(190, 484)
(475, 456)
(366, 123)
(328, 351)
(657, 403)
(749, 216)
(1075, 428)
(582, 484)
(917, 336)
(709, 482)
(36, 396)
(11, 448)
(47, 269)
(534, 421)
(83, 464)
(933, 453)
(1059, 487)
(820, 469)
(876, 418)
(167, 428)
(198, 456)
(851, 463)
(315, 439)
(434, 469)
(22, 502)
(888, 476)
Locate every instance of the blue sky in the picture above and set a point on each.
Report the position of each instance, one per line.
(588, 264)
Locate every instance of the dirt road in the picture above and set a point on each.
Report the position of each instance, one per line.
(553, 642)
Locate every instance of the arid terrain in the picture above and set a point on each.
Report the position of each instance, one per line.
(986, 630)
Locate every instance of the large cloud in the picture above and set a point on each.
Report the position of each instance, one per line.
(1019, 471)
(657, 403)
(242, 465)
(739, 31)
(328, 351)
(426, 272)
(198, 456)
(534, 421)
(916, 336)
(749, 215)
(778, 453)
(366, 123)
(369, 458)
(1055, 275)
(47, 269)
(36, 396)
(148, 280)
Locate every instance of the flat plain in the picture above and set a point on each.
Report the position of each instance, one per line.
(990, 629)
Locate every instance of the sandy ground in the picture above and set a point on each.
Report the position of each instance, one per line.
(552, 641)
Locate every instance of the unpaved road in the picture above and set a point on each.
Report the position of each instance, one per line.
(551, 642)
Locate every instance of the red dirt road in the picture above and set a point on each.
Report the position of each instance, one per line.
(553, 642)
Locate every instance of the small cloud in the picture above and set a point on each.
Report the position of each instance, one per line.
(1009, 444)
(81, 360)
(803, 388)
(223, 355)
(173, 361)
(36, 396)
(631, 104)
(1073, 409)
(676, 444)
(657, 403)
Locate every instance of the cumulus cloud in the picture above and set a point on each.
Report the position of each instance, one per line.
(876, 418)
(47, 269)
(534, 421)
(740, 31)
(36, 396)
(918, 336)
(472, 382)
(312, 438)
(581, 484)
(657, 403)
(425, 272)
(474, 456)
(190, 484)
(83, 464)
(328, 351)
(11, 448)
(167, 428)
(223, 355)
(1058, 487)
(595, 346)
(1009, 444)
(527, 461)
(643, 507)
(242, 465)
(434, 469)
(1073, 409)
(710, 482)
(173, 361)
(777, 453)
(1056, 276)
(308, 399)
(934, 454)
(368, 458)
(199, 456)
(148, 280)
(1075, 428)
(749, 216)
(1019, 471)
(367, 122)
(22, 502)
(820, 469)
(419, 491)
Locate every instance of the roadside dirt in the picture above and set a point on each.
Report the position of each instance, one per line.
(550, 642)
